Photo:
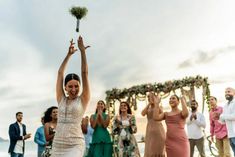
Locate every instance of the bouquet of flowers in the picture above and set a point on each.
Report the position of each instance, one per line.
(79, 13)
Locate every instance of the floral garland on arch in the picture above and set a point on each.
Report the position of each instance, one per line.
(139, 91)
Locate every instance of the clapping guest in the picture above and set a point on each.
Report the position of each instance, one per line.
(196, 124)
(218, 130)
(125, 127)
(228, 115)
(101, 145)
(155, 133)
(18, 135)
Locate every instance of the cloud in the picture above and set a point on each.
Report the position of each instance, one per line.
(26, 84)
(205, 57)
(185, 64)
(24, 80)
(223, 79)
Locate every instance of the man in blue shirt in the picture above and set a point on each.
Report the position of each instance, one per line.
(87, 131)
(40, 139)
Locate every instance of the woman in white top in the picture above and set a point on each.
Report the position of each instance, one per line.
(69, 140)
(124, 128)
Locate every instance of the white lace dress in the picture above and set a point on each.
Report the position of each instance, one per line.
(69, 140)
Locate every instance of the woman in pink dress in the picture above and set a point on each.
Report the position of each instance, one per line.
(177, 144)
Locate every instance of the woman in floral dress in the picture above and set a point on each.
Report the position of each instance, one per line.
(124, 128)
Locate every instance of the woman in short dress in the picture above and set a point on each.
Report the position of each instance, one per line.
(69, 140)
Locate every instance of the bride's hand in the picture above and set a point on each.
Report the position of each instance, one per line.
(81, 46)
(71, 48)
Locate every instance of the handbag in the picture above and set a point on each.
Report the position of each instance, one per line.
(47, 152)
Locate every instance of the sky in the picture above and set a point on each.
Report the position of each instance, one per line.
(132, 42)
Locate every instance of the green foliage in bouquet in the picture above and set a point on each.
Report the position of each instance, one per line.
(79, 12)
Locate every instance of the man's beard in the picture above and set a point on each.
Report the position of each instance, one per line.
(229, 97)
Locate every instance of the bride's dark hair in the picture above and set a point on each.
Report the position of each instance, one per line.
(70, 77)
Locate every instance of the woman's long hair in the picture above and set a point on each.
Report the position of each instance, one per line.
(101, 101)
(128, 107)
(47, 114)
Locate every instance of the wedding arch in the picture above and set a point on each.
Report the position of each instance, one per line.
(186, 86)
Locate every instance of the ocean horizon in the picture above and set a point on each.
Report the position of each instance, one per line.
(31, 149)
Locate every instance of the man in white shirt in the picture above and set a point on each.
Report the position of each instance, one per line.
(17, 134)
(228, 116)
(195, 125)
